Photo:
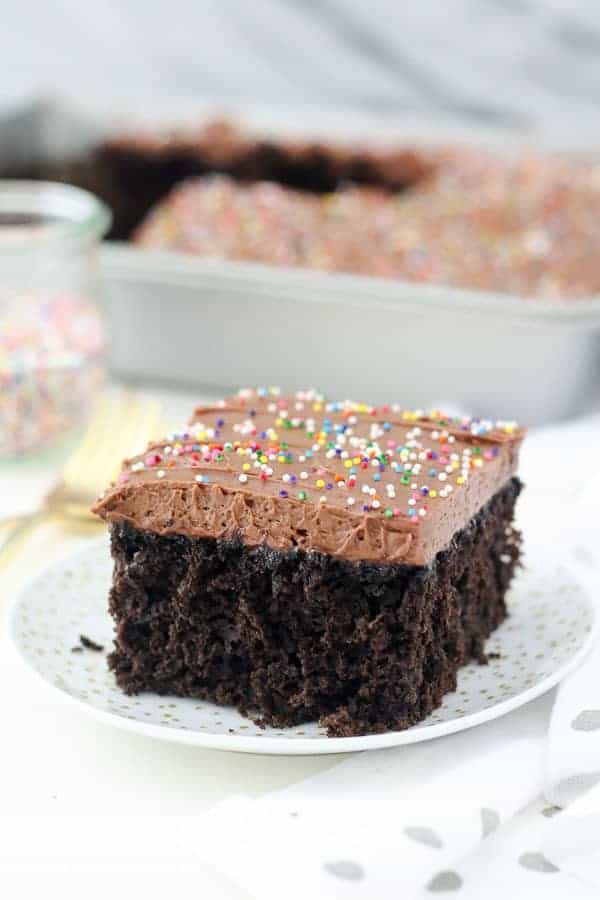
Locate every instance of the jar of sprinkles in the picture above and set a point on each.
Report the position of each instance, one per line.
(51, 334)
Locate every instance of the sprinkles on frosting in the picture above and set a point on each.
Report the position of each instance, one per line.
(386, 461)
(524, 224)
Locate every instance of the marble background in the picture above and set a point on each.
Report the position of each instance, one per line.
(524, 64)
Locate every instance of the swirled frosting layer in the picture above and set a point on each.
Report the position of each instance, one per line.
(347, 479)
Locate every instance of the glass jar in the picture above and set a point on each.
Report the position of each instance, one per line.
(51, 334)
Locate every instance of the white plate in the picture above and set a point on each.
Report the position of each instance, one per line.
(552, 624)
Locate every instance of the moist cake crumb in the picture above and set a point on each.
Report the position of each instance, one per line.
(89, 644)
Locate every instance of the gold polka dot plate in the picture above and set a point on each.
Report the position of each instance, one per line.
(551, 625)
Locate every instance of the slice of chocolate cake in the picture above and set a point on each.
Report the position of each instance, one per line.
(303, 559)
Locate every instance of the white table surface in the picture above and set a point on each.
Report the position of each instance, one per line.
(82, 803)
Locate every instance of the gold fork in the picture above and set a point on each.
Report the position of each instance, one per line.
(121, 425)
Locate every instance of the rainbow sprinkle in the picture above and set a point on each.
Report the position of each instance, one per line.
(386, 461)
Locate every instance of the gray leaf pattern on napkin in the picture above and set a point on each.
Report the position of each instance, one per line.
(423, 835)
(588, 720)
(569, 789)
(550, 811)
(490, 821)
(536, 862)
(445, 881)
(583, 555)
(346, 869)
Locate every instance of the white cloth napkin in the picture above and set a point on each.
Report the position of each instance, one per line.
(436, 817)
(572, 843)
(382, 824)
(573, 761)
(442, 817)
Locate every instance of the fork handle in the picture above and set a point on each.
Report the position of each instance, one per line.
(21, 527)
(9, 522)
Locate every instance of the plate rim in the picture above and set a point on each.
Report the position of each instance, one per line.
(266, 745)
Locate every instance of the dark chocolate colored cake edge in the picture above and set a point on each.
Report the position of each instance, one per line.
(289, 637)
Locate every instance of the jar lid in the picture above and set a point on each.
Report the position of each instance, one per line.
(38, 213)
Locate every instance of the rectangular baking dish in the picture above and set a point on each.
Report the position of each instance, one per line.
(223, 324)
(216, 324)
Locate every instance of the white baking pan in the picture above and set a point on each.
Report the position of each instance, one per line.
(214, 324)
(222, 325)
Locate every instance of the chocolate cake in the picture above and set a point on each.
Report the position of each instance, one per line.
(522, 223)
(527, 226)
(303, 559)
(143, 166)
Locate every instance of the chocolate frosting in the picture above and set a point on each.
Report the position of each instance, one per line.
(350, 480)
